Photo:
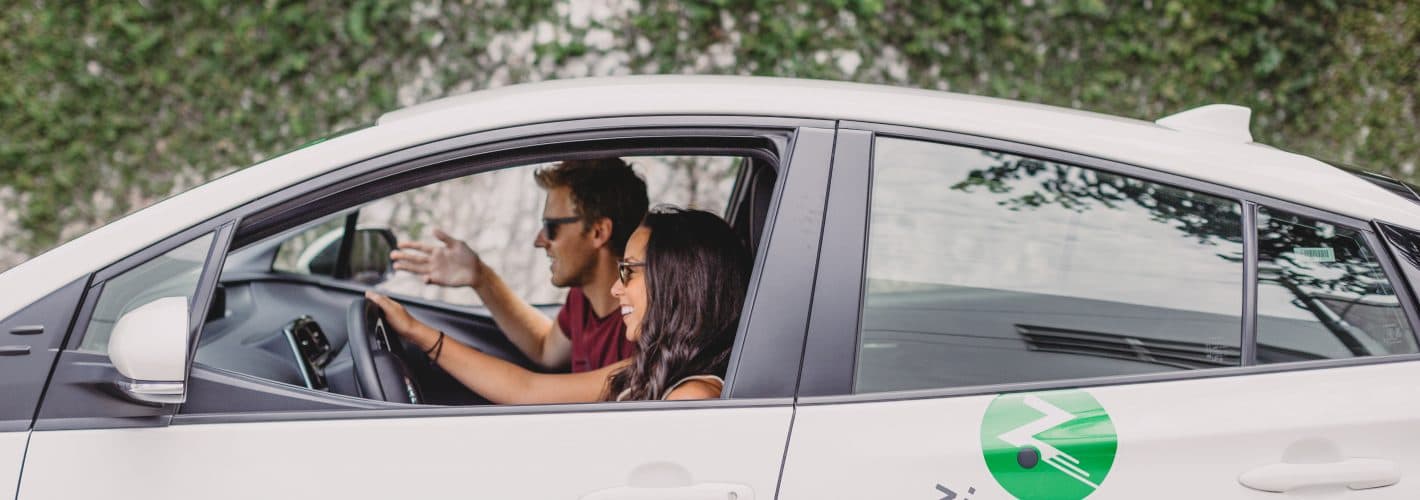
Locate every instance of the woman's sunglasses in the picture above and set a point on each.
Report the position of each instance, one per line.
(623, 270)
(549, 226)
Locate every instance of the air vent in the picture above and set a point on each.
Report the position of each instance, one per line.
(1186, 355)
(1225, 121)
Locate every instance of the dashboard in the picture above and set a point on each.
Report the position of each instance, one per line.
(310, 349)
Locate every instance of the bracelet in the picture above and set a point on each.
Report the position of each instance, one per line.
(436, 349)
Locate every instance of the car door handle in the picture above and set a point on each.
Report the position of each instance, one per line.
(1355, 473)
(14, 350)
(702, 491)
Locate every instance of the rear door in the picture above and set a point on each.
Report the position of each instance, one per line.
(89, 444)
(994, 320)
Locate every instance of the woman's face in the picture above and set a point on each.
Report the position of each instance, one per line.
(632, 293)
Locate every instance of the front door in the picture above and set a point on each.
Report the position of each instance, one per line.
(283, 441)
(691, 452)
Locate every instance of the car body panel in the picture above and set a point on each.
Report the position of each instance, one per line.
(491, 456)
(1178, 439)
(1245, 166)
(12, 456)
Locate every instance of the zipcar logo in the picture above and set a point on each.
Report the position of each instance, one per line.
(1049, 445)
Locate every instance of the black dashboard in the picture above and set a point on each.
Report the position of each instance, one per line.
(310, 349)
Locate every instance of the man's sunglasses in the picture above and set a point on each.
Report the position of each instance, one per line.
(623, 270)
(549, 226)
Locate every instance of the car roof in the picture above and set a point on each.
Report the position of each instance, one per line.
(1208, 157)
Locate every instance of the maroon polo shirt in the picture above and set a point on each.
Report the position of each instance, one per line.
(596, 341)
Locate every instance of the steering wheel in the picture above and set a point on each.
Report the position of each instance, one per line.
(380, 369)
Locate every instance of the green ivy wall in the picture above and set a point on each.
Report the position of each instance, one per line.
(108, 106)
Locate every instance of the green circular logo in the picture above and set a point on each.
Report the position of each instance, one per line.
(1048, 445)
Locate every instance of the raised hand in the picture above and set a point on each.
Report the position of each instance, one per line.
(451, 263)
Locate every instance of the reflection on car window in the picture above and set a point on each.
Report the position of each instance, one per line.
(987, 268)
(1322, 294)
(168, 275)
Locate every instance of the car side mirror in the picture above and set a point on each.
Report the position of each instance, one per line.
(370, 255)
(366, 259)
(148, 347)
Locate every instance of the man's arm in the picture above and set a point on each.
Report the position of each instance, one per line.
(539, 337)
(455, 264)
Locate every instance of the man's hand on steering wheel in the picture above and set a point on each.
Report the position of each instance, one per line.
(399, 320)
(451, 264)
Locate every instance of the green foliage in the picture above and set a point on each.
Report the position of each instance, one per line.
(120, 97)
(1335, 80)
(105, 106)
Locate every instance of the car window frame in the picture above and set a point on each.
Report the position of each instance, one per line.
(75, 370)
(831, 350)
(803, 143)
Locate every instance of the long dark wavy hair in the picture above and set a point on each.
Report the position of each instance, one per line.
(696, 274)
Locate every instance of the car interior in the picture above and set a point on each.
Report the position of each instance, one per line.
(289, 329)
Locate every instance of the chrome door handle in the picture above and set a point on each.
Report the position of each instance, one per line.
(702, 491)
(1355, 473)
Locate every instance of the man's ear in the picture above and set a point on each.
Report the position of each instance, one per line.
(601, 232)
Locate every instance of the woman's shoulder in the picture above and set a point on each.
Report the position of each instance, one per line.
(696, 387)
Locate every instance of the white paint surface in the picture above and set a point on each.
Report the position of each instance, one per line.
(561, 455)
(12, 454)
(1177, 440)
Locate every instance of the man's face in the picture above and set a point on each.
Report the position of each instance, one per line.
(572, 251)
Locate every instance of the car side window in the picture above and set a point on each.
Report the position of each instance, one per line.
(281, 328)
(987, 268)
(174, 273)
(1322, 294)
(314, 250)
(499, 214)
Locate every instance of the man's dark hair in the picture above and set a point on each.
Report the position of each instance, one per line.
(603, 187)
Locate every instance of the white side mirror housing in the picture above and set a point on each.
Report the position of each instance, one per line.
(148, 347)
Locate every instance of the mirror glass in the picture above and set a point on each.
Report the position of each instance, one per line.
(370, 255)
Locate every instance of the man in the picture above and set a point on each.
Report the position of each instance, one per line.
(592, 208)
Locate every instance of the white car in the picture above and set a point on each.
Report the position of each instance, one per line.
(953, 297)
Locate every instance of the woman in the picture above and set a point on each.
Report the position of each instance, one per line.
(682, 284)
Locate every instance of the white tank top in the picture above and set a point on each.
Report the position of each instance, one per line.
(719, 384)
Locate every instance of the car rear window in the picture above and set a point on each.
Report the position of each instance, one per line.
(988, 268)
(1322, 294)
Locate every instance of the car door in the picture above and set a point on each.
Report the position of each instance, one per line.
(90, 443)
(993, 320)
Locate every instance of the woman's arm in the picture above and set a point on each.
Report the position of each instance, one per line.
(497, 380)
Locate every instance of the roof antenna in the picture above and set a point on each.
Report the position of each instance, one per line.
(1226, 121)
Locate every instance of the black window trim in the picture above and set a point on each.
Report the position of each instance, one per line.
(477, 411)
(1247, 350)
(333, 192)
(841, 268)
(814, 392)
(81, 365)
(221, 230)
(1113, 380)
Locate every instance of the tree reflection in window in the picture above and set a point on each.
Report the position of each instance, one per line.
(1338, 302)
(1323, 294)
